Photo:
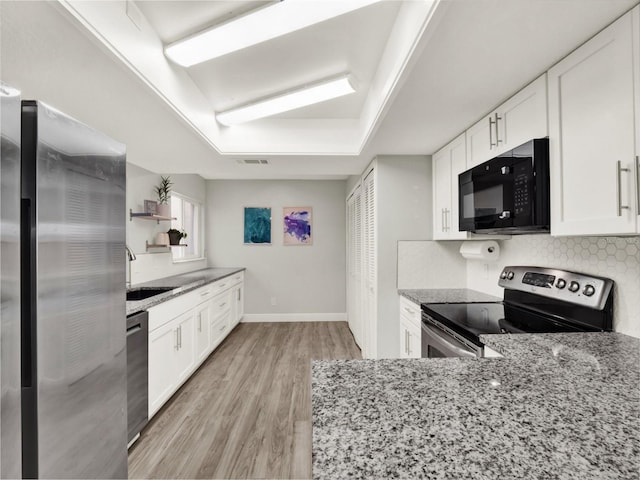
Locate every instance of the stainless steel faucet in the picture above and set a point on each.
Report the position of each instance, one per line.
(132, 257)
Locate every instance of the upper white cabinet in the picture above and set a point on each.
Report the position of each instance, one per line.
(448, 163)
(519, 119)
(594, 134)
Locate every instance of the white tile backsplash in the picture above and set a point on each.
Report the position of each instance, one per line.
(430, 264)
(617, 258)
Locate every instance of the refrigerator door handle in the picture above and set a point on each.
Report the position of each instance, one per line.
(26, 304)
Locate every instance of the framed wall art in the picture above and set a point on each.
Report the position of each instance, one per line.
(257, 225)
(296, 222)
(151, 206)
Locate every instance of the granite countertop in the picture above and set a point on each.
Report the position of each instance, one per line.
(180, 284)
(447, 295)
(557, 406)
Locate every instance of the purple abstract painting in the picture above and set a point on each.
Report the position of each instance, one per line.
(297, 225)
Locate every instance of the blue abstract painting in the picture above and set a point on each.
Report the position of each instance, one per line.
(297, 225)
(257, 225)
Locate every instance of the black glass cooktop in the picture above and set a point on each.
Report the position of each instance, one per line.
(473, 319)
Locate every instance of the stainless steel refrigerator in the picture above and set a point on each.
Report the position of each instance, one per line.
(63, 332)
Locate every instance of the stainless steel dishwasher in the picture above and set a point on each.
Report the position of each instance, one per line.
(137, 374)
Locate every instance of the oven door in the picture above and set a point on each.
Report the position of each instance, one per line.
(438, 341)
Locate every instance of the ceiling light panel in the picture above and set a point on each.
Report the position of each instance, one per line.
(257, 27)
(303, 97)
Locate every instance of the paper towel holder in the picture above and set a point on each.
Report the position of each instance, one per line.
(486, 250)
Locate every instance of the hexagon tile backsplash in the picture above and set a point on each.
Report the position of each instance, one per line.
(617, 258)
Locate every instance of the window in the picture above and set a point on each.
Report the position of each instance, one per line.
(188, 217)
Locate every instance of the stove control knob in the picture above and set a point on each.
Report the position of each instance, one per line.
(510, 275)
(574, 286)
(589, 290)
(561, 283)
(503, 275)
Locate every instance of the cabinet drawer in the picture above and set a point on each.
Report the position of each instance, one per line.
(237, 278)
(167, 311)
(410, 311)
(220, 328)
(221, 285)
(221, 304)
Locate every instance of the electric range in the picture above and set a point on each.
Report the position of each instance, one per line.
(536, 300)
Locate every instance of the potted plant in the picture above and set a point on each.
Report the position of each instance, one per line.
(175, 236)
(163, 191)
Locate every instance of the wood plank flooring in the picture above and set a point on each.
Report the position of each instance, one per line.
(246, 413)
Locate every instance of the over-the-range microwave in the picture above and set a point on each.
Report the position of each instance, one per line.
(508, 194)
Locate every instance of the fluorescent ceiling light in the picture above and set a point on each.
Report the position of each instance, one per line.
(257, 27)
(316, 93)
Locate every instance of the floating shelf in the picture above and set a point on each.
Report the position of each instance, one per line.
(165, 248)
(148, 216)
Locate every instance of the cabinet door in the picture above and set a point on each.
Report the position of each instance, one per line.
(185, 357)
(458, 158)
(441, 162)
(592, 126)
(203, 331)
(163, 345)
(220, 327)
(481, 144)
(238, 304)
(523, 116)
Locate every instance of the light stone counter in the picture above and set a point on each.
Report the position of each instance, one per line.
(447, 295)
(557, 406)
(180, 284)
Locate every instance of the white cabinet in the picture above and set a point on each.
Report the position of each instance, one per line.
(220, 318)
(448, 163)
(410, 329)
(163, 342)
(594, 134)
(183, 332)
(237, 299)
(171, 358)
(203, 331)
(519, 119)
(394, 204)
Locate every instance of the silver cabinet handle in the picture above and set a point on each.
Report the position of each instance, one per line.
(204, 294)
(222, 286)
(223, 304)
(180, 336)
(442, 220)
(638, 183)
(408, 343)
(239, 294)
(497, 134)
(619, 188)
(491, 144)
(177, 341)
(409, 310)
(199, 322)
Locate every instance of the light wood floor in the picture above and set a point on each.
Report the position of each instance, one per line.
(246, 413)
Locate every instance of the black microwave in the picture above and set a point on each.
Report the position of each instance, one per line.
(508, 194)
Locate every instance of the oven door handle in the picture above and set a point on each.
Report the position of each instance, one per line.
(439, 335)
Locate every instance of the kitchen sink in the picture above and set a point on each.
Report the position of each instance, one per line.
(142, 293)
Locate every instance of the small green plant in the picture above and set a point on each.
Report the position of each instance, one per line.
(163, 190)
(173, 231)
(176, 235)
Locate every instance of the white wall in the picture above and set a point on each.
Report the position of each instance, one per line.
(307, 282)
(617, 258)
(151, 266)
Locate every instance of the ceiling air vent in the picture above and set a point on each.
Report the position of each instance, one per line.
(253, 161)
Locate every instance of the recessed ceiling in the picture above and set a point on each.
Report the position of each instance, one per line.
(424, 76)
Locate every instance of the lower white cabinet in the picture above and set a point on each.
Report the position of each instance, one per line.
(203, 331)
(171, 358)
(185, 330)
(410, 330)
(221, 318)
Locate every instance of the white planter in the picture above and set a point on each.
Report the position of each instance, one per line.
(164, 210)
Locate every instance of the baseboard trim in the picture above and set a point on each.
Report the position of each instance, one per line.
(294, 317)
